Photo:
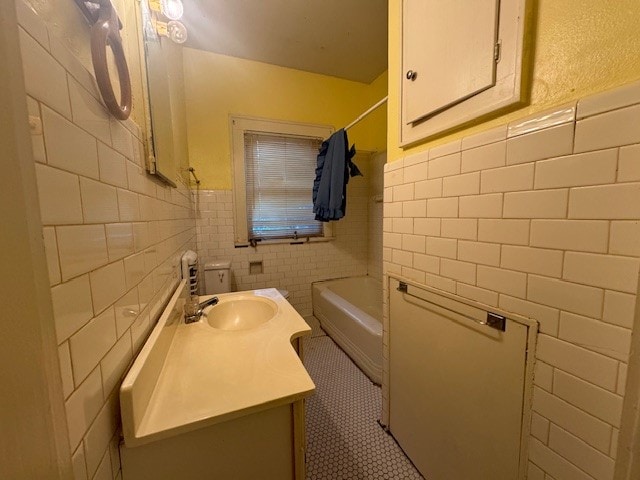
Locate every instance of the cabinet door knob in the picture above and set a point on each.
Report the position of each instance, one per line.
(411, 75)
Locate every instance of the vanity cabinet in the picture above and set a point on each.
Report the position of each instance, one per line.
(255, 446)
(461, 59)
(215, 399)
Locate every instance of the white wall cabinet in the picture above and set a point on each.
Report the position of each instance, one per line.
(461, 60)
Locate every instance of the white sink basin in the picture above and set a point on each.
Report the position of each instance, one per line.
(242, 313)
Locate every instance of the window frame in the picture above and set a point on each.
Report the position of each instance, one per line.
(238, 126)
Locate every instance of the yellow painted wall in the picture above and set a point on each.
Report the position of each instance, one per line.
(580, 47)
(217, 86)
(371, 132)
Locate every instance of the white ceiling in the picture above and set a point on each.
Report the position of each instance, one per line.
(341, 38)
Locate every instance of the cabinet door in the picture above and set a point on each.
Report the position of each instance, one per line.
(457, 388)
(449, 45)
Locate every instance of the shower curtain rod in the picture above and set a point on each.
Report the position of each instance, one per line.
(366, 113)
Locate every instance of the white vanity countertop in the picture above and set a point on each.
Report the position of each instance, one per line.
(211, 375)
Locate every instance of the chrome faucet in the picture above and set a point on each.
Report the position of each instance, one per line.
(194, 316)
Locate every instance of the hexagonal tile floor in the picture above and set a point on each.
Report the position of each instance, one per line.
(344, 439)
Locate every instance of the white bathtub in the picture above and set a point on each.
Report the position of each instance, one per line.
(350, 311)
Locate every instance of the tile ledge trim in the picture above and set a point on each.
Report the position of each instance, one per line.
(553, 117)
(616, 98)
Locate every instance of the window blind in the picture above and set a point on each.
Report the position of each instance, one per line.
(279, 173)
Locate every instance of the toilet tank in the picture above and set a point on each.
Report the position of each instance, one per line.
(217, 277)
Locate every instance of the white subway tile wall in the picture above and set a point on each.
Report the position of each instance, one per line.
(543, 222)
(354, 251)
(100, 211)
(486, 156)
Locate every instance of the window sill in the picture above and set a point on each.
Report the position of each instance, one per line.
(288, 241)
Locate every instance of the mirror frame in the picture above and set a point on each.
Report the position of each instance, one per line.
(145, 23)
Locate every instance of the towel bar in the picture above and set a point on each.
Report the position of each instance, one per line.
(105, 31)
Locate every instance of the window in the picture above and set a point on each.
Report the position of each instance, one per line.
(274, 169)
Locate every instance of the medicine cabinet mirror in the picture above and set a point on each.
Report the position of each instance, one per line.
(166, 149)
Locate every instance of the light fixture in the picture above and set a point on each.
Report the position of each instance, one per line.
(172, 9)
(176, 31)
(160, 11)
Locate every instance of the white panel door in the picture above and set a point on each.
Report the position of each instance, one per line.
(457, 388)
(448, 53)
